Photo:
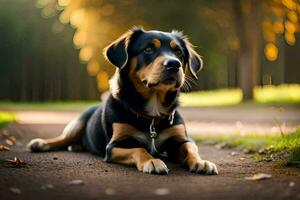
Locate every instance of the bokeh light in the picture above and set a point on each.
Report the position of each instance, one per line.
(271, 52)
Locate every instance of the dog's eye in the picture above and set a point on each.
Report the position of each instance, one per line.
(149, 50)
(178, 53)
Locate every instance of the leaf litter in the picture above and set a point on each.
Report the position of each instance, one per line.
(15, 190)
(76, 182)
(9, 139)
(47, 187)
(15, 162)
(4, 148)
(259, 176)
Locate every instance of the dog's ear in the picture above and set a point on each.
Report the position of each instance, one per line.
(117, 52)
(194, 60)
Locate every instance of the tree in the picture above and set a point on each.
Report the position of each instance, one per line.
(270, 19)
(258, 25)
(247, 18)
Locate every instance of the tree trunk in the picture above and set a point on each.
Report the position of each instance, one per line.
(248, 27)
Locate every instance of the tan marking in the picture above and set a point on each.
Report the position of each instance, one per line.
(151, 73)
(156, 43)
(133, 156)
(176, 132)
(139, 86)
(173, 44)
(140, 158)
(122, 131)
(188, 153)
(133, 63)
(71, 134)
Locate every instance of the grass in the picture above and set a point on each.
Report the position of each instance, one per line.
(54, 105)
(263, 146)
(221, 97)
(6, 117)
(286, 93)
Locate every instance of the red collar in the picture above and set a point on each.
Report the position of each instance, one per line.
(155, 118)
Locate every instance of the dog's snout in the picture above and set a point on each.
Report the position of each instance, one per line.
(172, 65)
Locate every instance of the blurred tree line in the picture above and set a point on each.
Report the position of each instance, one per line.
(243, 42)
(37, 61)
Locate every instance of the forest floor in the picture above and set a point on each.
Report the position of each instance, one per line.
(51, 175)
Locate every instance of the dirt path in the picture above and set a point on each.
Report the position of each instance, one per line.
(110, 181)
(203, 120)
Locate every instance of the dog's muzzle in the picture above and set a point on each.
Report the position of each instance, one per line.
(171, 71)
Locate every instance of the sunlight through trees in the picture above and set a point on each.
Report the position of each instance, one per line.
(96, 23)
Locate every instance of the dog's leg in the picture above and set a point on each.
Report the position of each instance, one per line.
(189, 156)
(140, 158)
(70, 135)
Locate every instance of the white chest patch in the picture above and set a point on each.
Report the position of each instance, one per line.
(154, 106)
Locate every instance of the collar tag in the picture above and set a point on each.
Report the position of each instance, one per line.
(153, 135)
(153, 132)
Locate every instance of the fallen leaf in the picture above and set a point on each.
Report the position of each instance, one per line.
(12, 139)
(291, 184)
(162, 191)
(8, 142)
(9, 139)
(47, 187)
(259, 176)
(4, 148)
(15, 190)
(16, 162)
(110, 191)
(76, 182)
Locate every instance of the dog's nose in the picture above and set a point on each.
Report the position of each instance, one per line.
(172, 65)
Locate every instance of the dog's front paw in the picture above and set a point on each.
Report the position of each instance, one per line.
(202, 167)
(38, 145)
(155, 166)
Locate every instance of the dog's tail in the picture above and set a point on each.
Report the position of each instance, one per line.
(71, 135)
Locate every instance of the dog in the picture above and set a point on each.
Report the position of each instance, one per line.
(139, 124)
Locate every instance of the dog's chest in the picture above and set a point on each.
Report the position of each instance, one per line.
(152, 143)
(154, 106)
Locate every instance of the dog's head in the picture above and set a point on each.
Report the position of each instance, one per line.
(154, 60)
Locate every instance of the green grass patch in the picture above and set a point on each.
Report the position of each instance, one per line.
(264, 146)
(7, 117)
(221, 97)
(286, 94)
(54, 105)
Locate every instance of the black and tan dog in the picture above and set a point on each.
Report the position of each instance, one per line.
(139, 122)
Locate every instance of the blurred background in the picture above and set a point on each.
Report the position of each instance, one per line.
(51, 50)
(247, 96)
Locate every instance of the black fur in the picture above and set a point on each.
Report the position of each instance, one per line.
(120, 110)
